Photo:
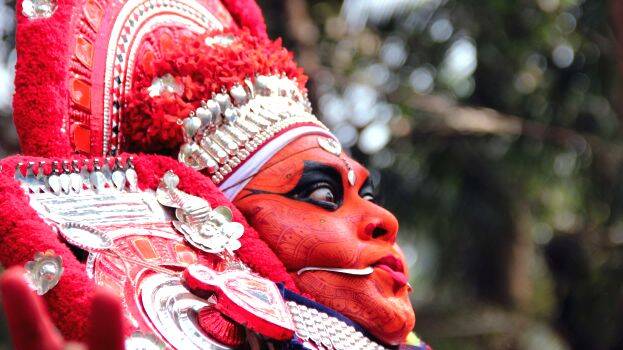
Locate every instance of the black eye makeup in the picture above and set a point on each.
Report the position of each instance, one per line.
(320, 185)
(368, 191)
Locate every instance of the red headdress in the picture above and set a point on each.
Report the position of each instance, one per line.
(77, 58)
(181, 78)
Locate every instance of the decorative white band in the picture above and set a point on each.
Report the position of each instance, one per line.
(241, 176)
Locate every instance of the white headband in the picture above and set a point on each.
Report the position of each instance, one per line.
(245, 172)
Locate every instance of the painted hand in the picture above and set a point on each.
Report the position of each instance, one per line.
(31, 328)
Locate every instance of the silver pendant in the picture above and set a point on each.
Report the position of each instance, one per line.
(44, 272)
(64, 178)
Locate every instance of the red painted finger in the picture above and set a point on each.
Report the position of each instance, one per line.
(106, 331)
(29, 323)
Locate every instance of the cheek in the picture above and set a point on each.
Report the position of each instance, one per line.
(302, 235)
(389, 318)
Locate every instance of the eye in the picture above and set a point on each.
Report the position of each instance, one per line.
(319, 185)
(368, 192)
(369, 197)
(323, 194)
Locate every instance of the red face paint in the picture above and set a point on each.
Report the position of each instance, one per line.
(304, 208)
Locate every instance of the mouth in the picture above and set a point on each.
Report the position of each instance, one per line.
(394, 267)
(390, 264)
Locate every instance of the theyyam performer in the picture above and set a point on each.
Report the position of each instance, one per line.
(177, 191)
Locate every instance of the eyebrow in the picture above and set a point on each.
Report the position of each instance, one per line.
(311, 166)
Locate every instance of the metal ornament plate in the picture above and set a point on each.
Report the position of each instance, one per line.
(143, 341)
(207, 229)
(85, 237)
(172, 310)
(323, 331)
(131, 241)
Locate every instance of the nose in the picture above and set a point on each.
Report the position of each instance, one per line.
(378, 224)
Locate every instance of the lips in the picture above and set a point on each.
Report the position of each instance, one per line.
(394, 267)
(390, 264)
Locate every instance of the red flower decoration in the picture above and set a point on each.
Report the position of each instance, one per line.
(151, 124)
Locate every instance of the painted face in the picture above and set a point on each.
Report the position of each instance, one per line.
(316, 217)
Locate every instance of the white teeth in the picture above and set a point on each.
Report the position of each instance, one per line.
(357, 272)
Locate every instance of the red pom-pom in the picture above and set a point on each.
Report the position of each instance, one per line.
(220, 327)
(151, 124)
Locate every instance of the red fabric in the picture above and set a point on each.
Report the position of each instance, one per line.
(247, 14)
(151, 124)
(41, 96)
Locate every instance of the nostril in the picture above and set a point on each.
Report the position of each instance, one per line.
(378, 232)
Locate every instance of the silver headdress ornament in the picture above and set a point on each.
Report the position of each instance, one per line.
(230, 126)
(210, 230)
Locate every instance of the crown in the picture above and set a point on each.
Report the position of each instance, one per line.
(216, 101)
(198, 79)
(226, 129)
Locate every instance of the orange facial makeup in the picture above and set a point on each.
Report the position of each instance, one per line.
(338, 245)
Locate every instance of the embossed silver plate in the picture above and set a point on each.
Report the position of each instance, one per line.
(172, 310)
(85, 237)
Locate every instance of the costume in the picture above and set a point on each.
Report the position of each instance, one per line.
(200, 83)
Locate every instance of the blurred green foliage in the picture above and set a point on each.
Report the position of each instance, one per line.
(492, 128)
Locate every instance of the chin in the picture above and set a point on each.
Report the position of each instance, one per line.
(395, 332)
(385, 313)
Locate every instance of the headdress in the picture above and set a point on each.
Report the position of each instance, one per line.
(198, 80)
